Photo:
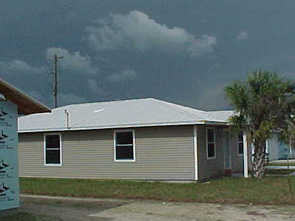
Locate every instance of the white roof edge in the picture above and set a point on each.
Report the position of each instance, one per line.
(123, 126)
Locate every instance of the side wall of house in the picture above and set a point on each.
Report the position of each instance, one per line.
(163, 153)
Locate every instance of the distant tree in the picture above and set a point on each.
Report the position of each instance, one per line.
(265, 103)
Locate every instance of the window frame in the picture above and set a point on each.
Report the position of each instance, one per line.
(214, 131)
(238, 142)
(115, 145)
(60, 150)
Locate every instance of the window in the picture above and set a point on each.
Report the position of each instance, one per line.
(52, 150)
(211, 145)
(240, 144)
(124, 145)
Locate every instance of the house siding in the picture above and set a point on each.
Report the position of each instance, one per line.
(162, 153)
(210, 167)
(237, 160)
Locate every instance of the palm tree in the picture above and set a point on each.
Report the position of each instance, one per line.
(264, 104)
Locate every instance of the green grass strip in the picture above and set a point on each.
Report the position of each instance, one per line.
(270, 190)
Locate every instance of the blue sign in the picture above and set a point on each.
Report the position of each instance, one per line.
(9, 182)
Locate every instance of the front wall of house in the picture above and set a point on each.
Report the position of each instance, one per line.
(216, 167)
(237, 160)
(209, 167)
(161, 153)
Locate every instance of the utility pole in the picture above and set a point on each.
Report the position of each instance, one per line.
(55, 79)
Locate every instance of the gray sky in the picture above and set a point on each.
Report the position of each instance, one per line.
(179, 51)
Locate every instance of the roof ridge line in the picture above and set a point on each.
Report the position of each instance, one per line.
(179, 105)
(99, 102)
(183, 109)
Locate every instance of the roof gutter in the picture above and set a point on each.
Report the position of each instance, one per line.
(68, 128)
(216, 123)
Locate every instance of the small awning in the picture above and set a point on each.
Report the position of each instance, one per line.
(25, 103)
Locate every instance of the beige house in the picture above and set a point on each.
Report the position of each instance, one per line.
(132, 139)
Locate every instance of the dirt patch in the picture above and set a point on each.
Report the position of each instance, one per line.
(255, 213)
(133, 210)
(67, 210)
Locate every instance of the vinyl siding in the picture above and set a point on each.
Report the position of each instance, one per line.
(210, 167)
(162, 153)
(215, 167)
(237, 160)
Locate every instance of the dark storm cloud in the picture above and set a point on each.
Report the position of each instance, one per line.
(180, 51)
(127, 32)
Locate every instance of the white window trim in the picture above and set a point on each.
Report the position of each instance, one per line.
(214, 157)
(246, 171)
(238, 142)
(115, 144)
(61, 150)
(195, 132)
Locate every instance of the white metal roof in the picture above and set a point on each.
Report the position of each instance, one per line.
(118, 114)
(221, 115)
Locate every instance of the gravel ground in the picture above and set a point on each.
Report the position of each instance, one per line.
(69, 209)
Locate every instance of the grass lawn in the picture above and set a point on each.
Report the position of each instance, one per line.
(21, 216)
(270, 190)
(279, 171)
(281, 164)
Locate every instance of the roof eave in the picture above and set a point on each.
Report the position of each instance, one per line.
(124, 126)
(25, 103)
(222, 123)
